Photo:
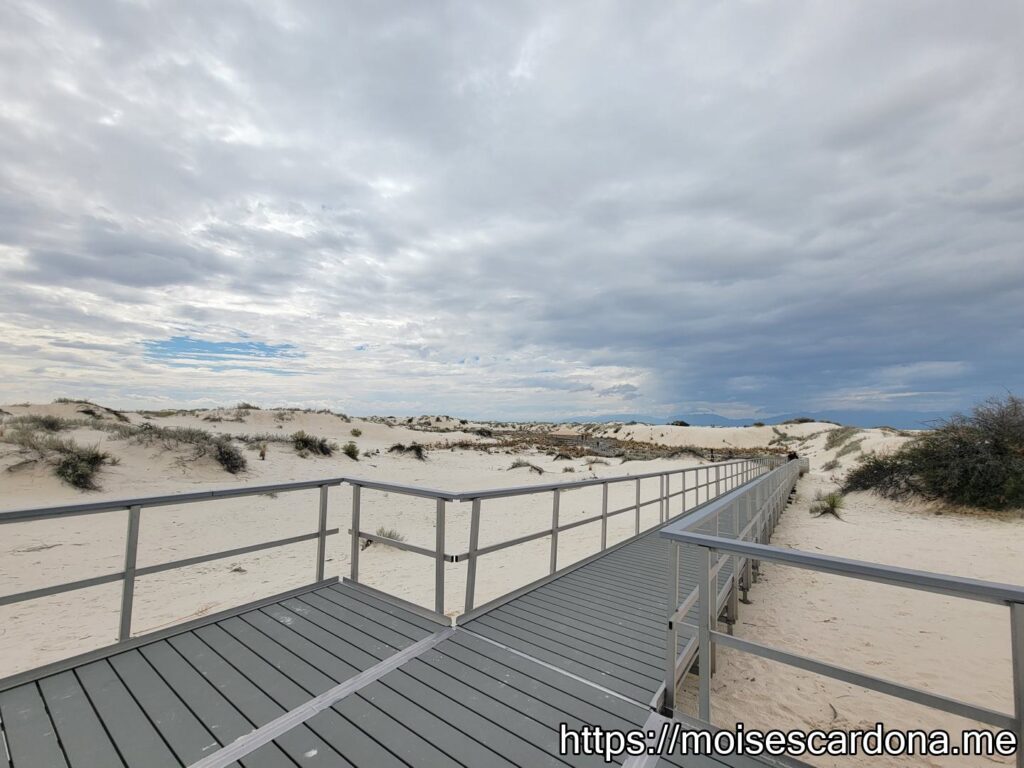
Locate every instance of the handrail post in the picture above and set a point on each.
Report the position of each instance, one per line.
(638, 506)
(604, 516)
(682, 492)
(354, 558)
(671, 633)
(662, 483)
(474, 541)
(439, 559)
(1017, 652)
(705, 601)
(131, 551)
(718, 480)
(554, 531)
(321, 542)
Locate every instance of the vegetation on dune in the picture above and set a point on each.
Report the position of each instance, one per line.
(837, 437)
(351, 450)
(356, 432)
(521, 463)
(318, 446)
(831, 464)
(828, 504)
(413, 449)
(974, 460)
(75, 464)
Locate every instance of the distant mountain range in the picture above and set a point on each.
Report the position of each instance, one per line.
(897, 419)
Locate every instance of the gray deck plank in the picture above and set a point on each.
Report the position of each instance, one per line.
(181, 729)
(136, 738)
(300, 744)
(358, 649)
(380, 632)
(443, 701)
(280, 688)
(382, 728)
(459, 746)
(556, 625)
(30, 733)
(624, 633)
(575, 689)
(86, 743)
(323, 660)
(208, 703)
(377, 609)
(282, 659)
(627, 682)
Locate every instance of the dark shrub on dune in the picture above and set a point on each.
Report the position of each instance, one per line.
(975, 460)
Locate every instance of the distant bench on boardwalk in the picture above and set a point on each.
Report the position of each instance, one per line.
(339, 674)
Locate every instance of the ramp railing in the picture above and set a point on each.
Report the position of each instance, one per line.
(758, 506)
(700, 483)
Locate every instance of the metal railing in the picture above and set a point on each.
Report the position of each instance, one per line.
(766, 496)
(717, 477)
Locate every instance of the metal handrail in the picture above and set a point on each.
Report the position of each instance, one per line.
(134, 506)
(960, 587)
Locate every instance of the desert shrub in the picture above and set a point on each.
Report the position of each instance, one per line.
(43, 423)
(562, 456)
(415, 449)
(758, 424)
(974, 460)
(244, 406)
(228, 456)
(799, 420)
(827, 504)
(839, 436)
(318, 446)
(831, 464)
(356, 433)
(75, 464)
(679, 423)
(568, 469)
(521, 463)
(351, 450)
(592, 462)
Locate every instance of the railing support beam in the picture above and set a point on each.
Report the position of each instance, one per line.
(131, 551)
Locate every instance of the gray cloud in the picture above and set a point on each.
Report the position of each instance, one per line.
(521, 210)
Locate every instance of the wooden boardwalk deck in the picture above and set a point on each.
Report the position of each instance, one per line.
(396, 688)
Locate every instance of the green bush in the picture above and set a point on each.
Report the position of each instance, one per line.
(356, 433)
(228, 456)
(974, 460)
(351, 450)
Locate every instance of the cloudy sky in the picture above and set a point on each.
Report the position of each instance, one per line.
(523, 210)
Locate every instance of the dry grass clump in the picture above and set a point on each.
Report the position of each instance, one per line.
(568, 469)
(828, 504)
(839, 436)
(521, 463)
(974, 460)
(356, 432)
(413, 449)
(831, 464)
(318, 446)
(351, 450)
(75, 464)
(849, 448)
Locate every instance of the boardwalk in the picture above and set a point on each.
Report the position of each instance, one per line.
(337, 675)
(585, 648)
